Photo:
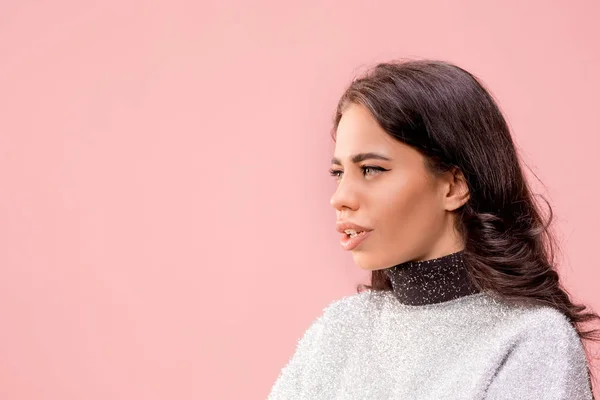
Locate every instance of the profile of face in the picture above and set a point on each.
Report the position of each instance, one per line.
(408, 209)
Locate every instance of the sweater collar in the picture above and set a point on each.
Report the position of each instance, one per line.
(431, 281)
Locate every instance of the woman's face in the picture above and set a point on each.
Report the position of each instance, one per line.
(405, 205)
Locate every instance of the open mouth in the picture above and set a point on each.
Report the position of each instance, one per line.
(354, 234)
(352, 240)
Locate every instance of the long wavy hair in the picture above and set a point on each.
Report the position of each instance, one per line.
(446, 113)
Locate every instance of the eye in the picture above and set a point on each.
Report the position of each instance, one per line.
(372, 168)
(337, 173)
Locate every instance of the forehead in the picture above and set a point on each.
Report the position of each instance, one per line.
(358, 131)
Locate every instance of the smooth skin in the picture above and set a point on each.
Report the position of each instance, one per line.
(410, 210)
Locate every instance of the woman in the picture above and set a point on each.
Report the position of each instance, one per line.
(464, 301)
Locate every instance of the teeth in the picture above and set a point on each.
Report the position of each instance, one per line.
(352, 232)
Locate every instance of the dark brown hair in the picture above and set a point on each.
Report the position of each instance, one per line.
(447, 114)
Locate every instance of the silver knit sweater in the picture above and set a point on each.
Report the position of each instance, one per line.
(380, 345)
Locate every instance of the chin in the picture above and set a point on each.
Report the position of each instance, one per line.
(363, 262)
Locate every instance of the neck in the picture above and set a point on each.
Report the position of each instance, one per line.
(431, 281)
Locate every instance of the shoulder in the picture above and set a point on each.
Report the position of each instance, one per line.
(544, 355)
(547, 323)
(535, 319)
(346, 310)
(354, 304)
(538, 325)
(345, 302)
(333, 320)
(548, 317)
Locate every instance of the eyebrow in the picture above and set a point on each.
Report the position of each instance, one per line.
(361, 157)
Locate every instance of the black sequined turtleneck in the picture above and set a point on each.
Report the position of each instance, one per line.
(431, 281)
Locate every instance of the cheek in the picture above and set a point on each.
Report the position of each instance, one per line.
(404, 218)
(408, 211)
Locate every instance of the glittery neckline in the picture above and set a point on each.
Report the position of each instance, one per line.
(433, 281)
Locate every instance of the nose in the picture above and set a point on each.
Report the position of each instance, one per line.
(344, 197)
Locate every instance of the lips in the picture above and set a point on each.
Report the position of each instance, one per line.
(342, 226)
(351, 243)
(347, 242)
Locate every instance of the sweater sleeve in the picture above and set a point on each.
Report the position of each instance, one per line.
(547, 362)
(288, 385)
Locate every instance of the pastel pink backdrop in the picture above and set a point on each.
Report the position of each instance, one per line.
(165, 221)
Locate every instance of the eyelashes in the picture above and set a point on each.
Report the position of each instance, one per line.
(336, 172)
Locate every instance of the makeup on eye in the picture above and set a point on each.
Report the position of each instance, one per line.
(335, 172)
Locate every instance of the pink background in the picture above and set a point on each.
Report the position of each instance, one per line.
(165, 221)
